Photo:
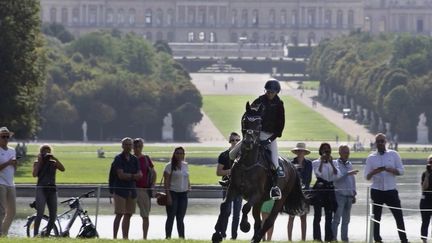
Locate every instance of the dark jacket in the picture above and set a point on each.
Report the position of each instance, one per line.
(274, 115)
(305, 172)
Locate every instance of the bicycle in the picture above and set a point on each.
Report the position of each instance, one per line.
(87, 230)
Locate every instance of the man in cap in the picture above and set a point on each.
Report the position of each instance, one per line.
(8, 165)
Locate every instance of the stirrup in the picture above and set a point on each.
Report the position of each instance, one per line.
(275, 193)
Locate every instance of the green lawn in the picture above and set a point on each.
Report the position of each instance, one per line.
(311, 85)
(302, 122)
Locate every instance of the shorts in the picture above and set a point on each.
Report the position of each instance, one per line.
(267, 206)
(124, 205)
(143, 201)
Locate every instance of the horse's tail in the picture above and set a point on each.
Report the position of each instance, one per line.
(296, 202)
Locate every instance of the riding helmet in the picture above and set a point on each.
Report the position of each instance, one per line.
(272, 85)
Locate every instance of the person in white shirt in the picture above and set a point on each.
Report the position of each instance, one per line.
(324, 197)
(8, 165)
(382, 167)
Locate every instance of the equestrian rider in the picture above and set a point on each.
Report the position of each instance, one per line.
(273, 122)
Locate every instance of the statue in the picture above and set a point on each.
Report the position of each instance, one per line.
(84, 128)
(167, 129)
(422, 130)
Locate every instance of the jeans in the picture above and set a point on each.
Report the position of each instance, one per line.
(343, 210)
(236, 207)
(328, 211)
(46, 196)
(390, 198)
(176, 210)
(7, 208)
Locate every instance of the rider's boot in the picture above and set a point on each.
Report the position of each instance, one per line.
(275, 192)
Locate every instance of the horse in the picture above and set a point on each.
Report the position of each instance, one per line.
(252, 179)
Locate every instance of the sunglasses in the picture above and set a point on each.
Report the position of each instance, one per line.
(234, 140)
(5, 137)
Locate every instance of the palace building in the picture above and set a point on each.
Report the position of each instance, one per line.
(248, 21)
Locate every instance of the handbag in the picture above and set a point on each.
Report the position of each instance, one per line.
(162, 197)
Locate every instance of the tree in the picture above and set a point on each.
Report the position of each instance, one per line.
(62, 113)
(22, 66)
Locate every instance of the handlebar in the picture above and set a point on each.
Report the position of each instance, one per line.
(85, 195)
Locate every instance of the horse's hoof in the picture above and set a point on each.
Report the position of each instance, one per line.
(245, 227)
(217, 237)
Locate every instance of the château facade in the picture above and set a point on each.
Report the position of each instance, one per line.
(252, 21)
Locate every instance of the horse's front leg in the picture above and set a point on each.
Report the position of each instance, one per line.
(244, 224)
(256, 212)
(224, 213)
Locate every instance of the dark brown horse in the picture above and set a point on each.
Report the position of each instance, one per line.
(251, 178)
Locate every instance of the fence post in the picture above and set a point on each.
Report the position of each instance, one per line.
(371, 225)
(98, 193)
(367, 213)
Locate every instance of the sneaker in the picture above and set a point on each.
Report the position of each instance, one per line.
(275, 193)
(280, 172)
(224, 183)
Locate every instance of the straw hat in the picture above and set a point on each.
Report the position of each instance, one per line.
(5, 131)
(300, 147)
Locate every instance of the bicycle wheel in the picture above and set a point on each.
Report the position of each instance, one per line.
(42, 226)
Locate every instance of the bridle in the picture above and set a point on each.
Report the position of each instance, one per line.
(251, 134)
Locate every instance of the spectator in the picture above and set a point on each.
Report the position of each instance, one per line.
(45, 169)
(304, 168)
(8, 166)
(382, 167)
(324, 197)
(125, 171)
(266, 209)
(345, 191)
(144, 184)
(426, 200)
(177, 185)
(224, 169)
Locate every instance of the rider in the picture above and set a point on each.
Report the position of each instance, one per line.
(273, 122)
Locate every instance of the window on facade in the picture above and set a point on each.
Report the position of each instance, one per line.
(403, 23)
(234, 37)
(212, 16)
(234, 18)
(255, 18)
(182, 14)
(170, 36)
(109, 16)
(53, 15)
(92, 18)
(272, 37)
(255, 37)
(170, 17)
(148, 17)
(311, 17)
(419, 26)
(382, 24)
(294, 18)
(191, 15)
(159, 36)
(339, 19)
(64, 16)
(132, 14)
(351, 19)
(201, 16)
(244, 18)
(283, 17)
(222, 15)
(190, 36)
(272, 17)
(159, 17)
(149, 36)
(75, 16)
(212, 37)
(201, 36)
(120, 17)
(328, 19)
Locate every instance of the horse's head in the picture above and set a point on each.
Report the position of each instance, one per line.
(251, 126)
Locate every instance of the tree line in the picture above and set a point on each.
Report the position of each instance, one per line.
(120, 84)
(387, 74)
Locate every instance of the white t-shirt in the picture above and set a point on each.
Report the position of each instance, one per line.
(7, 174)
(179, 178)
